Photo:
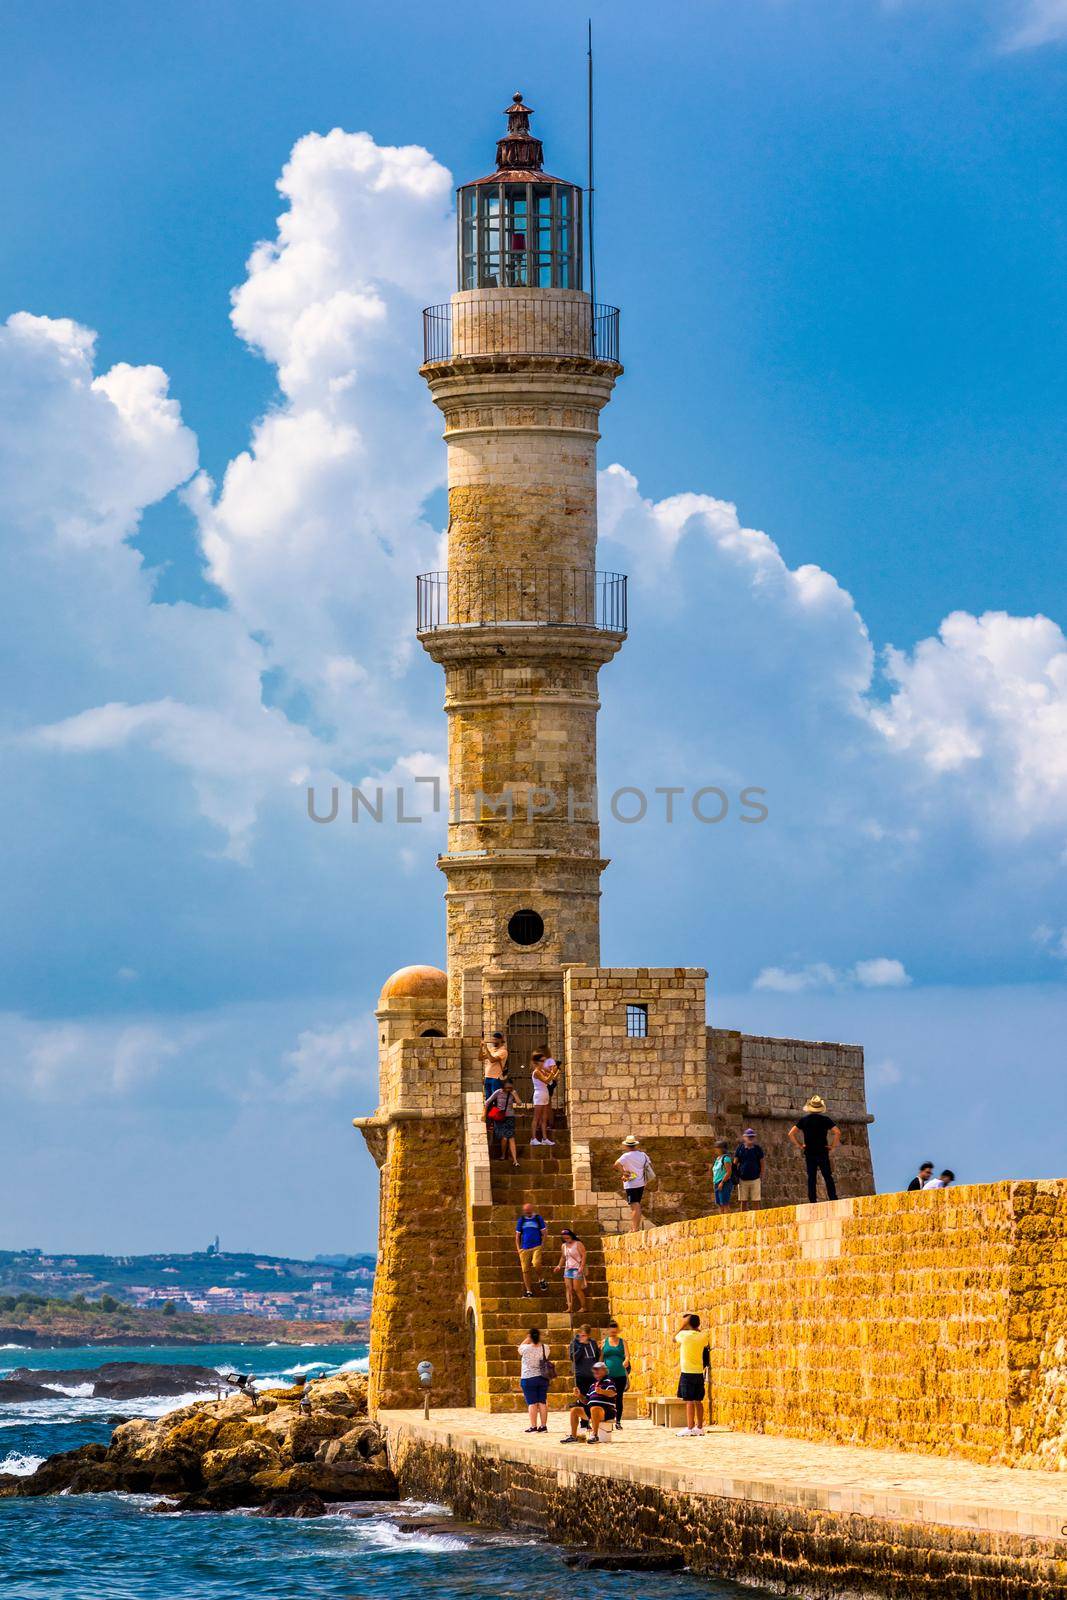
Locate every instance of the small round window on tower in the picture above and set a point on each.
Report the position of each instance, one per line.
(526, 927)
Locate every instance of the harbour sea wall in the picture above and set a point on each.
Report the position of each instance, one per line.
(932, 1322)
(810, 1522)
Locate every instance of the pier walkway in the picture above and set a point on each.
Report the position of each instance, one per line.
(844, 1479)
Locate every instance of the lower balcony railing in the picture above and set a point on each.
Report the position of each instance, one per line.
(494, 596)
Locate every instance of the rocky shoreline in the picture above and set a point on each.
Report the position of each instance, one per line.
(300, 1448)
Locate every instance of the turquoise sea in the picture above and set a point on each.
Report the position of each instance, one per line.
(112, 1547)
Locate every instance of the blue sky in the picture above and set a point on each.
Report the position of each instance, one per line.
(836, 233)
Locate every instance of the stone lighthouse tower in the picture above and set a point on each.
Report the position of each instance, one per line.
(520, 363)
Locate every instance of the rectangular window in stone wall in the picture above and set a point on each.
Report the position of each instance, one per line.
(636, 1022)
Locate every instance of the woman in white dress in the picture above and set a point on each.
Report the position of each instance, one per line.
(542, 1105)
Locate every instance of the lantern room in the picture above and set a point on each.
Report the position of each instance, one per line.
(520, 228)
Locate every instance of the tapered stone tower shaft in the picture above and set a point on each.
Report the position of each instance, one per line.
(520, 363)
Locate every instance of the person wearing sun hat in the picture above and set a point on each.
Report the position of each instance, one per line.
(636, 1170)
(816, 1134)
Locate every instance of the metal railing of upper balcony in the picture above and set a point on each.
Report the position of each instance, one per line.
(520, 325)
(547, 596)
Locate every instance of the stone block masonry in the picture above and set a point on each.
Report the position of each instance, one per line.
(420, 1283)
(760, 1082)
(811, 1522)
(930, 1322)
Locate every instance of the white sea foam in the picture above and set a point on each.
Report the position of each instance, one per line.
(67, 1407)
(19, 1464)
(305, 1366)
(381, 1534)
(357, 1364)
(15, 1347)
(75, 1391)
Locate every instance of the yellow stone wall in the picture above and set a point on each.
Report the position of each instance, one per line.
(420, 1283)
(932, 1322)
(619, 1085)
(421, 1076)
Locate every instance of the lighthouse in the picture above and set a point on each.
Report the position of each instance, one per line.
(520, 363)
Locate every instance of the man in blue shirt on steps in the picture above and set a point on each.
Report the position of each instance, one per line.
(529, 1237)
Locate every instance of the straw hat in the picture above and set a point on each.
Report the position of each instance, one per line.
(630, 1142)
(815, 1103)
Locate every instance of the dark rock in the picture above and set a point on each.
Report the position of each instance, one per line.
(599, 1561)
(13, 1391)
(59, 1471)
(118, 1380)
(293, 1505)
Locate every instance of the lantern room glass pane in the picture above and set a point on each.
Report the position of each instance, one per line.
(516, 231)
(489, 273)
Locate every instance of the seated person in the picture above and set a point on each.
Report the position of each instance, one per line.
(595, 1407)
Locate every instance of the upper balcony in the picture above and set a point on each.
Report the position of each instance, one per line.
(495, 322)
(567, 597)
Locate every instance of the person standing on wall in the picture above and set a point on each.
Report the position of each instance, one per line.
(693, 1360)
(616, 1358)
(722, 1175)
(748, 1170)
(922, 1177)
(529, 1239)
(816, 1134)
(636, 1171)
(946, 1180)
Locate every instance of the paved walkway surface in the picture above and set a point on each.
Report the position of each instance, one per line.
(787, 1472)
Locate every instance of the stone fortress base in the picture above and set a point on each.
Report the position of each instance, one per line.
(842, 1336)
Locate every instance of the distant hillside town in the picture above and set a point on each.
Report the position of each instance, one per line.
(211, 1281)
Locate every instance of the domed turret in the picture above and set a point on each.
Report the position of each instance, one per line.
(413, 1004)
(410, 983)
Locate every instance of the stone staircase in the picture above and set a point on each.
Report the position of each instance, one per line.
(543, 1176)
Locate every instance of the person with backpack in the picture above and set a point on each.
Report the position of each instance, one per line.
(748, 1170)
(529, 1238)
(694, 1358)
(535, 1374)
(500, 1110)
(722, 1176)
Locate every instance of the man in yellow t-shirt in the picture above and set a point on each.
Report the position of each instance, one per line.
(692, 1360)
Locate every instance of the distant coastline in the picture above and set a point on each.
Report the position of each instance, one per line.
(68, 1325)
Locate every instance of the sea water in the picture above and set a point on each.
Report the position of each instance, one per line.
(114, 1547)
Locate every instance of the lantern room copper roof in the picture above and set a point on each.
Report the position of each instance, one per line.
(519, 154)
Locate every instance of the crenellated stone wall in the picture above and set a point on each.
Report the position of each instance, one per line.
(761, 1082)
(932, 1321)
